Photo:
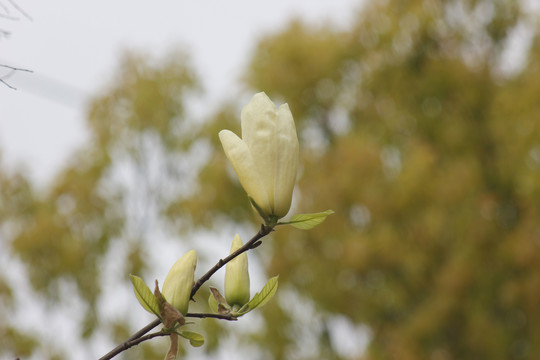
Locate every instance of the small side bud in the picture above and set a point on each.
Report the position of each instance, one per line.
(237, 276)
(179, 281)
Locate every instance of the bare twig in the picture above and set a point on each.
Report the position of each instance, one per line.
(4, 8)
(20, 9)
(11, 72)
(6, 13)
(5, 83)
(254, 242)
(8, 17)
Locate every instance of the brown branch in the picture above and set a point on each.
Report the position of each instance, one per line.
(251, 244)
(215, 316)
(254, 242)
(130, 343)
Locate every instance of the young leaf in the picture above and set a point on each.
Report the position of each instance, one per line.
(243, 310)
(260, 298)
(194, 338)
(307, 221)
(145, 296)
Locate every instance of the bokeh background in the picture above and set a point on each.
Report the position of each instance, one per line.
(419, 124)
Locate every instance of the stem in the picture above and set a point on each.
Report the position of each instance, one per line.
(130, 343)
(139, 337)
(215, 316)
(12, 70)
(251, 244)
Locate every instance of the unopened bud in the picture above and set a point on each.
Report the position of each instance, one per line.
(179, 281)
(237, 276)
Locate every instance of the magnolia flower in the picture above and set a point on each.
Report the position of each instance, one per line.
(265, 159)
(179, 281)
(237, 276)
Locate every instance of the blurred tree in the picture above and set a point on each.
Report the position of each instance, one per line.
(139, 158)
(427, 148)
(16, 201)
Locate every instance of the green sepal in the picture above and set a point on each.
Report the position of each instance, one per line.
(269, 220)
(307, 221)
(195, 339)
(145, 296)
(260, 298)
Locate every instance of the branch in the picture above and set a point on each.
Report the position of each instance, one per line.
(20, 9)
(254, 242)
(12, 70)
(215, 316)
(130, 343)
(251, 244)
(9, 17)
(136, 340)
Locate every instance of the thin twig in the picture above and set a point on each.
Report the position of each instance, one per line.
(11, 72)
(20, 9)
(251, 244)
(9, 86)
(247, 246)
(146, 337)
(8, 17)
(15, 68)
(130, 343)
(215, 316)
(5, 8)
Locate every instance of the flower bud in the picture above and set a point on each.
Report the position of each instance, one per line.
(179, 281)
(237, 276)
(265, 159)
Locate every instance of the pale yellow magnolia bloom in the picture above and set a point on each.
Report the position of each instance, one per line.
(237, 276)
(266, 158)
(179, 281)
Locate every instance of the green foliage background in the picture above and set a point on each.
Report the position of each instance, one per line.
(428, 152)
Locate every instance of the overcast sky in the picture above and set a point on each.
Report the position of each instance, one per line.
(73, 47)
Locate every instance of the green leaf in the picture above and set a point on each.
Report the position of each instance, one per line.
(260, 298)
(307, 221)
(145, 296)
(195, 339)
(243, 310)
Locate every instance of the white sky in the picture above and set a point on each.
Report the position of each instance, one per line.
(73, 47)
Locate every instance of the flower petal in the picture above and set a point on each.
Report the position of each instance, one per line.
(287, 161)
(258, 120)
(237, 276)
(179, 281)
(242, 162)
